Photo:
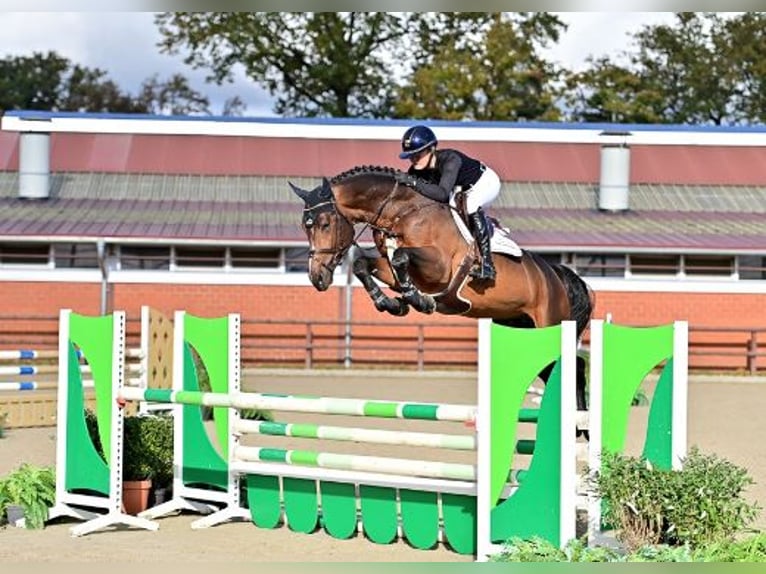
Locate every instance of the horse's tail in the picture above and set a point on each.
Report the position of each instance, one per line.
(582, 298)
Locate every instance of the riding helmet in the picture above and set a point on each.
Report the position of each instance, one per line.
(416, 139)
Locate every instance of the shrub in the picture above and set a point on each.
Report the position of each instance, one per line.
(698, 505)
(148, 447)
(31, 487)
(751, 549)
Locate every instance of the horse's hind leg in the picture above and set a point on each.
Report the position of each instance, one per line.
(579, 389)
(363, 267)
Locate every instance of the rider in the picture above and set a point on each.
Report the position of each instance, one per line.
(444, 169)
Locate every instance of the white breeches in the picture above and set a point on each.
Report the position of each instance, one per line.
(483, 191)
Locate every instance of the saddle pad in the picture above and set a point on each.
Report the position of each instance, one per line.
(500, 242)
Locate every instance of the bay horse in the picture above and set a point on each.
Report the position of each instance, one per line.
(421, 254)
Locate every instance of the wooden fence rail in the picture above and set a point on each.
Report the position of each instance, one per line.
(407, 345)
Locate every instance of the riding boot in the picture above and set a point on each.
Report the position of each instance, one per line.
(481, 232)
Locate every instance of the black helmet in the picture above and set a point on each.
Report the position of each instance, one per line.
(416, 139)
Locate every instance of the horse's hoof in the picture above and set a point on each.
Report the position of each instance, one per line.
(398, 308)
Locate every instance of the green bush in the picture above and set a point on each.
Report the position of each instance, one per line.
(696, 506)
(147, 448)
(31, 487)
(751, 549)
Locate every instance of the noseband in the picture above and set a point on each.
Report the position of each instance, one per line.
(338, 253)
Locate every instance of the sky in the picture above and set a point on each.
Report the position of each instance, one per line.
(124, 44)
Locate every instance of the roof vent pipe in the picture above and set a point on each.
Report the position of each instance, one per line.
(614, 183)
(34, 165)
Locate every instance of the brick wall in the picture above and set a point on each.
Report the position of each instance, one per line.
(304, 303)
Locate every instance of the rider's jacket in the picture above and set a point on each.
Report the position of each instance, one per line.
(453, 169)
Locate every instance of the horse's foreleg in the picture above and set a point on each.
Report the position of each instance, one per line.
(363, 269)
(410, 293)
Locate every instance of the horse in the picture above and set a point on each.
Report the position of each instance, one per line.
(421, 254)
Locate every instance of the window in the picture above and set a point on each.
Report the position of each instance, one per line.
(144, 257)
(24, 254)
(709, 265)
(654, 264)
(297, 259)
(75, 255)
(600, 264)
(254, 257)
(752, 267)
(200, 256)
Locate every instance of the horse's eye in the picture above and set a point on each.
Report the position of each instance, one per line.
(325, 226)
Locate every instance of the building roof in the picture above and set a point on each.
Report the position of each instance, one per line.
(690, 190)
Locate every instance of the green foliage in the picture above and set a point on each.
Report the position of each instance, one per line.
(703, 68)
(452, 79)
(537, 549)
(50, 82)
(751, 549)
(31, 487)
(296, 56)
(3, 424)
(700, 504)
(147, 447)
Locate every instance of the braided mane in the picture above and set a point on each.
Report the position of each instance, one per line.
(361, 170)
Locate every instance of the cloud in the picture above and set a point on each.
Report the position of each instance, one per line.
(124, 44)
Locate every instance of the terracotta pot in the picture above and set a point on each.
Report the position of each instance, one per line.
(135, 495)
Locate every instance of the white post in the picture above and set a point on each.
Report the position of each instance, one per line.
(595, 417)
(484, 545)
(680, 392)
(568, 461)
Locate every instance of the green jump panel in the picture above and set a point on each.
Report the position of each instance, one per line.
(420, 517)
(204, 464)
(658, 447)
(518, 356)
(379, 513)
(459, 515)
(301, 504)
(85, 468)
(630, 354)
(264, 500)
(339, 512)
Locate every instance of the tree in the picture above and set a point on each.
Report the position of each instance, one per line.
(483, 66)
(172, 97)
(52, 83)
(316, 64)
(703, 69)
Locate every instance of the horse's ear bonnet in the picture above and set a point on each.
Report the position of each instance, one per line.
(302, 193)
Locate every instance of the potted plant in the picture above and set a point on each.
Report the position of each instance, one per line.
(28, 493)
(148, 459)
(147, 465)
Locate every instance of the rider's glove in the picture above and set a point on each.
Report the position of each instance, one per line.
(403, 178)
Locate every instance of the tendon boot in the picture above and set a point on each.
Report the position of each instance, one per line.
(486, 268)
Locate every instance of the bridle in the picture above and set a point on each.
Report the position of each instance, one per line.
(337, 251)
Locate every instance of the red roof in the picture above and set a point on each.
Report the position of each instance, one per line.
(514, 161)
